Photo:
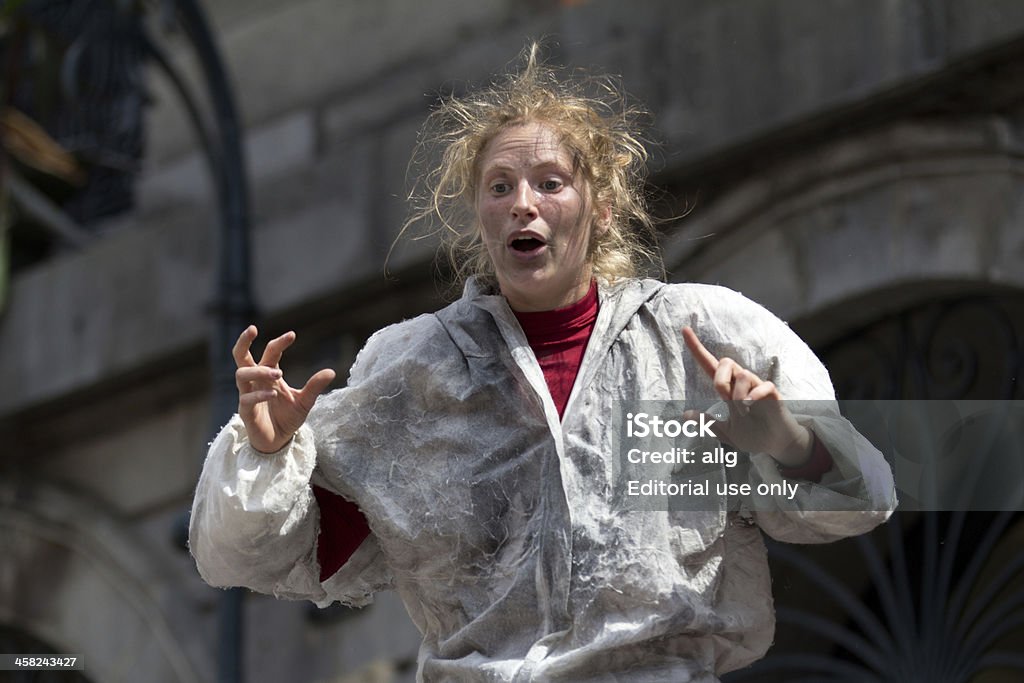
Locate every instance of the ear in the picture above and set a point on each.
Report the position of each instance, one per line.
(602, 221)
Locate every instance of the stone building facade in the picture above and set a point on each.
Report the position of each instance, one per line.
(843, 162)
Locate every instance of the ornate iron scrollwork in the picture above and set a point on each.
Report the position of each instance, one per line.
(964, 348)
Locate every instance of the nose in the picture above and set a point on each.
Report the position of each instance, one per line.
(524, 205)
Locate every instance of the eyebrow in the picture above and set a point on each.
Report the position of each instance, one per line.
(542, 165)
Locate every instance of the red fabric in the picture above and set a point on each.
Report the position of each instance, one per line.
(559, 339)
(342, 529)
(819, 463)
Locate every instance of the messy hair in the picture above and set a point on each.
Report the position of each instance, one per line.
(593, 121)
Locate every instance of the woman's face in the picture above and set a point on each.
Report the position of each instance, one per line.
(535, 218)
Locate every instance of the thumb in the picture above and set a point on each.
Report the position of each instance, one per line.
(315, 386)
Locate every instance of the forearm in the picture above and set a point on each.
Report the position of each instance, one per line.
(851, 497)
(797, 451)
(254, 520)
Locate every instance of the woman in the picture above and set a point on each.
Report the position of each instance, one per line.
(477, 442)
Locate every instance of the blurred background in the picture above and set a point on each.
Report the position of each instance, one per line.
(172, 170)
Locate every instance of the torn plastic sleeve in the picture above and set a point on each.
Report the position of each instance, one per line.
(852, 498)
(255, 523)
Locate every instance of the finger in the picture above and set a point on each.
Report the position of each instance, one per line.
(315, 386)
(275, 348)
(743, 382)
(252, 398)
(244, 377)
(765, 390)
(704, 357)
(240, 351)
(723, 377)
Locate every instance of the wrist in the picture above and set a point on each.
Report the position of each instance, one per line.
(796, 452)
(270, 449)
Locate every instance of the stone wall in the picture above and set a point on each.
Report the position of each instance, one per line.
(827, 152)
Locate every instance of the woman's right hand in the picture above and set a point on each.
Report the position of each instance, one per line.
(271, 410)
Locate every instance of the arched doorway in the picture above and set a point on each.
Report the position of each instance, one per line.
(930, 596)
(896, 252)
(74, 582)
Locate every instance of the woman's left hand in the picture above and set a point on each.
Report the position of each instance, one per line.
(759, 421)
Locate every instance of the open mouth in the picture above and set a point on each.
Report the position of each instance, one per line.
(526, 244)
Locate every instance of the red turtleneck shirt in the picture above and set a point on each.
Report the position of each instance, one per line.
(559, 339)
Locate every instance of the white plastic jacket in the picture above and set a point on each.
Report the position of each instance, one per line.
(502, 527)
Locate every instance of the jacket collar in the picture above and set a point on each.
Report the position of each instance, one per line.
(618, 304)
(618, 301)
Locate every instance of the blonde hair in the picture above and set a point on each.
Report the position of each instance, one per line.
(594, 123)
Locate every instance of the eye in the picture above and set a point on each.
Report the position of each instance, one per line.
(500, 187)
(551, 185)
